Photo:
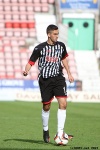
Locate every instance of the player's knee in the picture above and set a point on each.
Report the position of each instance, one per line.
(46, 107)
(63, 105)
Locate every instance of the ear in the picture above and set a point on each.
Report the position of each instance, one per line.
(49, 35)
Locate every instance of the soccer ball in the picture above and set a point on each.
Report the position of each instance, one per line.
(63, 140)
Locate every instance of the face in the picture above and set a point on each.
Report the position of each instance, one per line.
(53, 35)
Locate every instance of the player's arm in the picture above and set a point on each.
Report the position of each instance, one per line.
(31, 61)
(65, 64)
(27, 69)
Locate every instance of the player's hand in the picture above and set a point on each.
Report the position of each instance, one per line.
(25, 73)
(71, 79)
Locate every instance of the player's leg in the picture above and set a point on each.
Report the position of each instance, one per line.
(61, 115)
(47, 96)
(61, 95)
(45, 121)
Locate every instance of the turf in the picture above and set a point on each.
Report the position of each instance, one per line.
(21, 126)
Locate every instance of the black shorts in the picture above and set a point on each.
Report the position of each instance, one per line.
(50, 87)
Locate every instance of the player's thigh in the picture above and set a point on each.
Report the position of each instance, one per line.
(60, 89)
(60, 92)
(46, 90)
(62, 103)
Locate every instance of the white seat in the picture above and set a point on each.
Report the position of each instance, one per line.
(9, 61)
(8, 55)
(16, 55)
(2, 33)
(7, 49)
(9, 68)
(2, 68)
(2, 61)
(15, 48)
(2, 25)
(9, 33)
(16, 61)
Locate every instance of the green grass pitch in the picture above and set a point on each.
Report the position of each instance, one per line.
(21, 126)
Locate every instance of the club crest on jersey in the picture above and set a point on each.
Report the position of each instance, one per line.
(49, 50)
(51, 59)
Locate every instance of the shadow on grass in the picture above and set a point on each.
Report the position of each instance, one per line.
(30, 141)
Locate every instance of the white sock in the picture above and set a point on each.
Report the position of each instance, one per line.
(61, 116)
(45, 119)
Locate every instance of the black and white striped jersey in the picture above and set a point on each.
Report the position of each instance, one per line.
(49, 58)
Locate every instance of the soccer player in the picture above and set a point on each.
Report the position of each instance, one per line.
(51, 55)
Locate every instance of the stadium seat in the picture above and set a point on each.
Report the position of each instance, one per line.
(23, 55)
(1, 43)
(22, 8)
(18, 75)
(2, 68)
(2, 75)
(17, 68)
(9, 33)
(6, 41)
(15, 17)
(1, 8)
(1, 49)
(36, 1)
(15, 8)
(14, 42)
(14, 1)
(2, 33)
(30, 17)
(6, 1)
(17, 33)
(51, 1)
(16, 55)
(2, 61)
(29, 1)
(8, 55)
(15, 49)
(8, 25)
(23, 25)
(32, 33)
(16, 61)
(43, 1)
(8, 16)
(31, 25)
(21, 1)
(37, 8)
(25, 33)
(9, 62)
(2, 25)
(10, 75)
(9, 68)
(7, 48)
(30, 8)
(21, 42)
(1, 17)
(44, 8)
(7, 7)
(23, 17)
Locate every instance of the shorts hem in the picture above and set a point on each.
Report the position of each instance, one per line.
(48, 101)
(61, 96)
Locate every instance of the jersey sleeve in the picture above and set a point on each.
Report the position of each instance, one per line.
(34, 56)
(64, 54)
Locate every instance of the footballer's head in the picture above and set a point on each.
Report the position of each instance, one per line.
(52, 33)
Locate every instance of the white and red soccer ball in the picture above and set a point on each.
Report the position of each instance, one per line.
(63, 140)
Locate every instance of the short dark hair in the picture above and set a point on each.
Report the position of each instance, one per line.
(51, 27)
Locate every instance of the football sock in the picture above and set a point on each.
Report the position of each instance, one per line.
(45, 119)
(61, 116)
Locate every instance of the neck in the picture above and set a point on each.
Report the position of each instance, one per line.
(50, 42)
